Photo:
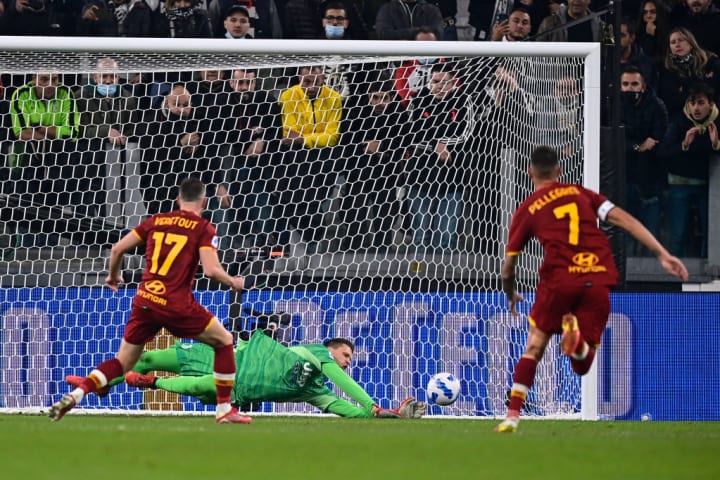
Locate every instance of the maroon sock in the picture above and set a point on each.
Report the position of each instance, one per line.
(581, 367)
(224, 372)
(523, 379)
(109, 368)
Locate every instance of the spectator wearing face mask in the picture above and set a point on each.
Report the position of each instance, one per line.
(107, 112)
(645, 119)
(335, 22)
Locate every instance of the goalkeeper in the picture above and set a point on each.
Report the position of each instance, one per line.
(267, 371)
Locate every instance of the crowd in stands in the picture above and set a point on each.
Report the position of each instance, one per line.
(289, 139)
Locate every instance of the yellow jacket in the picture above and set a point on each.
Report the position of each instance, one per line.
(318, 120)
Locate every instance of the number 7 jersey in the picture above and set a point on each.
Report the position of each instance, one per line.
(172, 254)
(564, 219)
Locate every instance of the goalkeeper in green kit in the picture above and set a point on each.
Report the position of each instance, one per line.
(267, 371)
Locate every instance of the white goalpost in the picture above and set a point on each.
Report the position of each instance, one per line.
(386, 221)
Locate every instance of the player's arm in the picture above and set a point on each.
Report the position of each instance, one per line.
(129, 242)
(508, 281)
(619, 217)
(349, 386)
(330, 403)
(409, 408)
(214, 270)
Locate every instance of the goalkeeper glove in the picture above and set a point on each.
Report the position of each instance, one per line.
(409, 408)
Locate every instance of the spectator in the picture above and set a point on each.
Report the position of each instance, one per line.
(263, 15)
(689, 144)
(538, 9)
(144, 19)
(558, 118)
(632, 54)
(51, 169)
(185, 19)
(374, 139)
(28, 17)
(311, 115)
(210, 93)
(102, 18)
(335, 22)
(652, 30)
(108, 117)
(237, 23)
(252, 128)
(481, 18)
(443, 121)
(645, 119)
(701, 18)
(412, 75)
(586, 31)
(107, 111)
(685, 63)
(401, 19)
(171, 148)
(516, 28)
(339, 76)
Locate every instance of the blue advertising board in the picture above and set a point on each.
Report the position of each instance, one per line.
(659, 358)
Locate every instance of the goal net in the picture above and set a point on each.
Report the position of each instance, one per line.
(367, 185)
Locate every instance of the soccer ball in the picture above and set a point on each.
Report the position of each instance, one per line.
(443, 389)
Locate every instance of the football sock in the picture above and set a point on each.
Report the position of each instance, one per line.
(224, 374)
(581, 366)
(582, 351)
(522, 381)
(98, 378)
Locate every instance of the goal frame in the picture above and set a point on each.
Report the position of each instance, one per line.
(591, 52)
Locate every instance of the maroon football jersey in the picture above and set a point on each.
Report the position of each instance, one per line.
(172, 253)
(564, 219)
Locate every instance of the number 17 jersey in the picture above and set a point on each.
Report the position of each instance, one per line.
(173, 242)
(564, 219)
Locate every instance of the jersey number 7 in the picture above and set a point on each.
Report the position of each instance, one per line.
(570, 210)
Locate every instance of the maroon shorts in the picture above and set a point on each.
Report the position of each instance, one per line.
(146, 320)
(590, 304)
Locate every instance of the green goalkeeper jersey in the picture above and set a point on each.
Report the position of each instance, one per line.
(269, 371)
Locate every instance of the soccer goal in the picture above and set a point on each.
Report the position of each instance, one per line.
(384, 201)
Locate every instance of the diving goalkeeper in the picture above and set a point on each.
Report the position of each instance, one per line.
(267, 371)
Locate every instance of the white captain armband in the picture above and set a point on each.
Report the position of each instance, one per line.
(604, 209)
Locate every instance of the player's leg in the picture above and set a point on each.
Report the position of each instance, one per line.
(165, 360)
(544, 318)
(221, 340)
(97, 379)
(139, 329)
(523, 378)
(202, 388)
(589, 322)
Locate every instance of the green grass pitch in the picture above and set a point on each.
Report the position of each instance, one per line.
(195, 448)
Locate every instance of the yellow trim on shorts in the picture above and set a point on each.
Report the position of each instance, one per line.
(532, 321)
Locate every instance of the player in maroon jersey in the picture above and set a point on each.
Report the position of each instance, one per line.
(573, 294)
(175, 242)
